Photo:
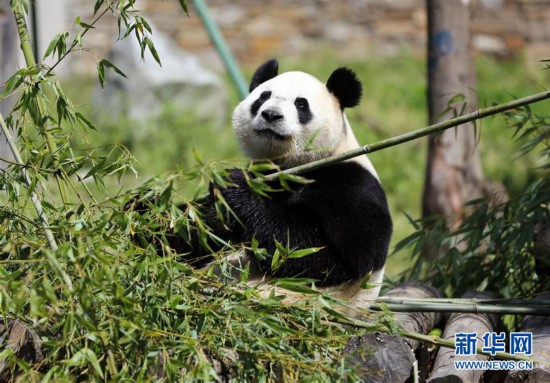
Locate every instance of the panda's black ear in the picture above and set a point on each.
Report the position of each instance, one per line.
(344, 84)
(265, 72)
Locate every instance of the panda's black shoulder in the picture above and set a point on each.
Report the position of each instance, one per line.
(345, 180)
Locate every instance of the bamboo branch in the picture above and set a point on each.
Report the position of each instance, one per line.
(26, 44)
(75, 42)
(435, 128)
(34, 197)
(506, 301)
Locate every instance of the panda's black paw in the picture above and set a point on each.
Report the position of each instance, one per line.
(235, 181)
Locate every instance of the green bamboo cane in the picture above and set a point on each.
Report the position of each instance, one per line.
(34, 197)
(463, 308)
(413, 135)
(30, 60)
(223, 50)
(503, 302)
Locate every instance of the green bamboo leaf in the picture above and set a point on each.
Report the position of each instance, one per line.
(84, 121)
(11, 84)
(336, 314)
(262, 167)
(276, 261)
(61, 109)
(96, 168)
(83, 24)
(101, 73)
(112, 66)
(412, 221)
(52, 45)
(309, 143)
(365, 282)
(304, 252)
(145, 24)
(98, 5)
(31, 187)
(92, 358)
(61, 46)
(297, 285)
(152, 49)
(197, 157)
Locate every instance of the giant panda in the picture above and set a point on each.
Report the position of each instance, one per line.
(292, 119)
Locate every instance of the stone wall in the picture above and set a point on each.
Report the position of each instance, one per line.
(256, 30)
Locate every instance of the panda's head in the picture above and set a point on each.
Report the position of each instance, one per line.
(293, 118)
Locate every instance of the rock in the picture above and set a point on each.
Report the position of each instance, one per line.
(181, 82)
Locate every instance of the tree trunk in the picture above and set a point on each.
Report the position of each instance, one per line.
(453, 172)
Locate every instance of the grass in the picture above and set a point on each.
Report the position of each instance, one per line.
(394, 102)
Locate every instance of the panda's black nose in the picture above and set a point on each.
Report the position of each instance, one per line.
(272, 115)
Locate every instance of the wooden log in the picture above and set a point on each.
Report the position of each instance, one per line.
(382, 358)
(539, 326)
(421, 322)
(24, 343)
(444, 370)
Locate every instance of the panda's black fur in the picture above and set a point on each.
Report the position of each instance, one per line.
(343, 210)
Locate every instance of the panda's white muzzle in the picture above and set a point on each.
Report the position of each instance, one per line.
(270, 124)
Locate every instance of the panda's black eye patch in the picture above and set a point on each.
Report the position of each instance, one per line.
(301, 103)
(264, 96)
(304, 113)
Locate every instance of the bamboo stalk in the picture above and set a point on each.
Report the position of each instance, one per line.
(409, 306)
(24, 37)
(512, 301)
(221, 46)
(40, 120)
(34, 197)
